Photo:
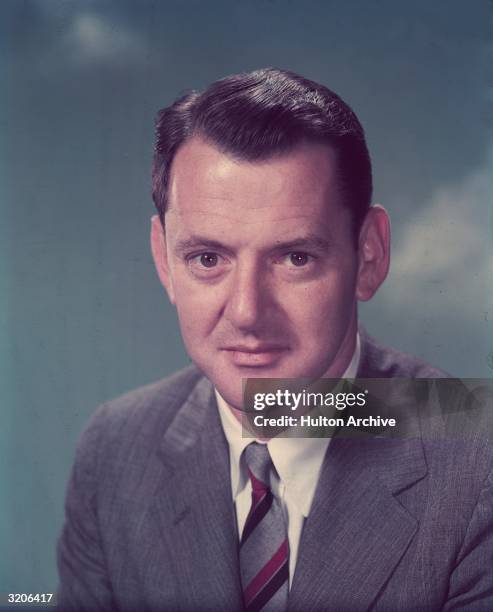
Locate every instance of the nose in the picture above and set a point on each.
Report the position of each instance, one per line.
(248, 298)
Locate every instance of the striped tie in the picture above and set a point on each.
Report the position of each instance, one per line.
(264, 549)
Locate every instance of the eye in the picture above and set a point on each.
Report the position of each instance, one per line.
(299, 259)
(206, 264)
(208, 260)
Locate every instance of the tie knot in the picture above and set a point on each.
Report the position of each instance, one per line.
(259, 465)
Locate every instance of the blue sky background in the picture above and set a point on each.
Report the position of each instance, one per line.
(84, 317)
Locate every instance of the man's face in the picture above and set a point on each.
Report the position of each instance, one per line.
(259, 259)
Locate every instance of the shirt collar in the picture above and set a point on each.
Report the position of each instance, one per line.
(297, 460)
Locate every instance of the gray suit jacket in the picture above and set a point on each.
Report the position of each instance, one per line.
(396, 524)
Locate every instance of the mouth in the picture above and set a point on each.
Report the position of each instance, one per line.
(259, 355)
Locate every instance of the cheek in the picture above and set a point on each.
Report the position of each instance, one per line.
(197, 310)
(322, 305)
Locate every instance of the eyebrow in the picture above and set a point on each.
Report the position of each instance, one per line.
(310, 242)
(197, 241)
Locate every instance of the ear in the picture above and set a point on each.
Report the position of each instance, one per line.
(160, 256)
(373, 252)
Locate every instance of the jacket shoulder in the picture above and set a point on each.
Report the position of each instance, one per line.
(379, 361)
(162, 397)
(135, 420)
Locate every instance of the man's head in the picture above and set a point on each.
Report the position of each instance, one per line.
(261, 114)
(265, 238)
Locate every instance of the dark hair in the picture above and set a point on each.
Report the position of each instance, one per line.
(258, 115)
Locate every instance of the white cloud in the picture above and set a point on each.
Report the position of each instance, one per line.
(444, 259)
(92, 38)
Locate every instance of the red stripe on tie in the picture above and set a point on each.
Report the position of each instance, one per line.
(258, 486)
(266, 573)
(256, 501)
(256, 515)
(277, 581)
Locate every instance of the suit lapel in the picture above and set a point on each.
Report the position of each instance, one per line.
(194, 506)
(357, 531)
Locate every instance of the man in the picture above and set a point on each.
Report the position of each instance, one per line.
(265, 241)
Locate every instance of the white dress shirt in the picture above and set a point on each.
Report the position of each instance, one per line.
(297, 461)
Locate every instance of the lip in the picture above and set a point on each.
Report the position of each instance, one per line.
(260, 355)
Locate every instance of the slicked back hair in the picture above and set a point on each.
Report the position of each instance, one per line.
(258, 115)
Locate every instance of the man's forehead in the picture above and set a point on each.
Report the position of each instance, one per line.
(202, 175)
(236, 230)
(265, 230)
